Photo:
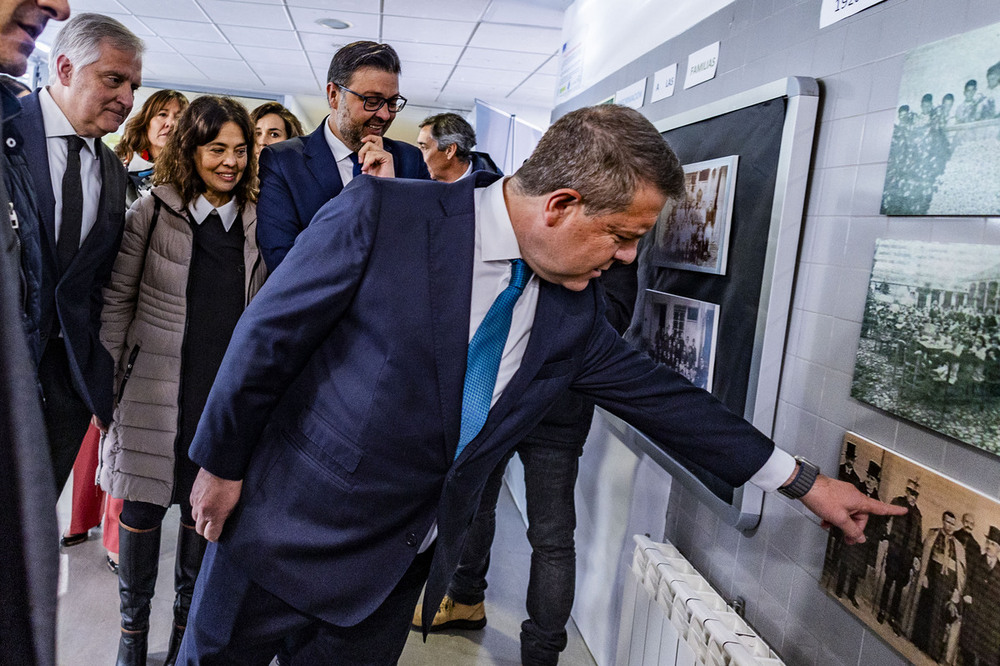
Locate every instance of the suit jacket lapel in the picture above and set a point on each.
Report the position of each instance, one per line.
(320, 162)
(451, 241)
(37, 155)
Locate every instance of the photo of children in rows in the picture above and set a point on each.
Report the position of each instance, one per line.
(946, 137)
(928, 581)
(680, 332)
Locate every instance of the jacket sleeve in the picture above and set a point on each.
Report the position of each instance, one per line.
(293, 315)
(122, 291)
(680, 417)
(278, 223)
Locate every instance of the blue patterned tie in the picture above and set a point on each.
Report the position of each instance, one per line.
(485, 351)
(356, 163)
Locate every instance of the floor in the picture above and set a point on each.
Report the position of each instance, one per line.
(89, 620)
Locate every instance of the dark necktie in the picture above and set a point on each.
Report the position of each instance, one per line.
(357, 165)
(485, 351)
(72, 204)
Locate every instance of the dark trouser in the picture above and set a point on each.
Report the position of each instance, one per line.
(146, 516)
(235, 621)
(67, 417)
(549, 477)
(897, 575)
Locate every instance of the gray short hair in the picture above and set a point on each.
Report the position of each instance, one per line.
(451, 129)
(80, 41)
(603, 152)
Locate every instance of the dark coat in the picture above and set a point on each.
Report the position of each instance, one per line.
(356, 349)
(29, 560)
(980, 615)
(298, 176)
(17, 180)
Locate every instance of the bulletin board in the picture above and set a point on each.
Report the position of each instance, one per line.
(771, 129)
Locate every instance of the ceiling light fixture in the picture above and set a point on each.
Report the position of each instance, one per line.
(334, 24)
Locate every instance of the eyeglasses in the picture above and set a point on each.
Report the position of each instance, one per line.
(374, 102)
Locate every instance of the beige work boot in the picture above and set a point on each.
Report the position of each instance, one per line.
(453, 615)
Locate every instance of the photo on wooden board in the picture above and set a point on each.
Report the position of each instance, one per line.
(944, 156)
(930, 338)
(680, 332)
(927, 582)
(694, 234)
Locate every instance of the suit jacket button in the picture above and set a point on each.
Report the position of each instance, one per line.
(411, 540)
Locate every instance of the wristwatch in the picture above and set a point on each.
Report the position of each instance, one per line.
(803, 481)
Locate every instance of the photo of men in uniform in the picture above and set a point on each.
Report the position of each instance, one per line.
(922, 581)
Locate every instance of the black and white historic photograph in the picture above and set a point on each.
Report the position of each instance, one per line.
(694, 234)
(930, 341)
(680, 332)
(927, 582)
(945, 152)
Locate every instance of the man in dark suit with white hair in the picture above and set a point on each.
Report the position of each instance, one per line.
(96, 66)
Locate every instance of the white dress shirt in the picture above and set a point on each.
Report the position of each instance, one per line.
(341, 153)
(57, 128)
(200, 209)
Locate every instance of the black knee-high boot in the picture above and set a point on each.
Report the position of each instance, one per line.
(139, 557)
(190, 551)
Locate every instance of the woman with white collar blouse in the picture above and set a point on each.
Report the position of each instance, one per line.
(187, 268)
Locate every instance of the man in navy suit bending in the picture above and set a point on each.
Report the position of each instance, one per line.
(298, 176)
(340, 470)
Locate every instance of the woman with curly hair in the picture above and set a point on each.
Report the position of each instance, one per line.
(187, 268)
(273, 123)
(145, 136)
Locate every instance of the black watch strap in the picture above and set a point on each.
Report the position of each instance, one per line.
(803, 481)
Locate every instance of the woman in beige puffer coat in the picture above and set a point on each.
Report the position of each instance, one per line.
(187, 268)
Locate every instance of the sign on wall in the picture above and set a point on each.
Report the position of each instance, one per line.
(632, 96)
(663, 83)
(701, 65)
(837, 10)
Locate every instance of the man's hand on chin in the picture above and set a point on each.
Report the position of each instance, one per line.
(212, 500)
(375, 160)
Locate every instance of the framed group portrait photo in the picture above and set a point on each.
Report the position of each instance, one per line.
(681, 333)
(693, 234)
(927, 582)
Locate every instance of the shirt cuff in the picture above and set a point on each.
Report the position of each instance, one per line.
(775, 472)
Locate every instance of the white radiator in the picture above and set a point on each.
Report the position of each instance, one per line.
(672, 616)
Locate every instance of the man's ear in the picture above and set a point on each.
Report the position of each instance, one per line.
(560, 204)
(332, 95)
(64, 70)
(450, 151)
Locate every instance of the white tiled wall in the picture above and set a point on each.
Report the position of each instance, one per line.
(859, 64)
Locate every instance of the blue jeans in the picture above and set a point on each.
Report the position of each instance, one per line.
(550, 473)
